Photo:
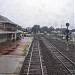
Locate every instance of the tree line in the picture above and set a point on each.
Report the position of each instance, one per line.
(37, 28)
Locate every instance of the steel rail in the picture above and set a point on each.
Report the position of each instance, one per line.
(41, 65)
(30, 60)
(46, 43)
(40, 59)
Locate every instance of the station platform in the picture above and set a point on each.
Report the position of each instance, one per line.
(11, 63)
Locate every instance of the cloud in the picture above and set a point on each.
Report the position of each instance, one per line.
(43, 12)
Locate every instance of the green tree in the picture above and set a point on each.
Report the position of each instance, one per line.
(51, 29)
(35, 28)
(44, 29)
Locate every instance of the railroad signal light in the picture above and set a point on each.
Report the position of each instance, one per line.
(67, 24)
(67, 31)
(67, 36)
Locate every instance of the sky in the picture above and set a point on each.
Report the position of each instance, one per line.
(27, 13)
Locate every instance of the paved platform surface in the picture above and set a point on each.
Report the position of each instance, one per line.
(22, 43)
(11, 64)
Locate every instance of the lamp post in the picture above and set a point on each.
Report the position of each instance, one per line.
(67, 36)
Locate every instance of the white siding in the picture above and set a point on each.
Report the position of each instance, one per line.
(73, 36)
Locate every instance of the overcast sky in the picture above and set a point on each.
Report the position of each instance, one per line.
(43, 12)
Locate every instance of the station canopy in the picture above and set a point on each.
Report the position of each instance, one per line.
(8, 32)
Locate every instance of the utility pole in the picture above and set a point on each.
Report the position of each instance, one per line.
(67, 36)
(61, 31)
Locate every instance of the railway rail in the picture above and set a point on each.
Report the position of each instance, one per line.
(34, 63)
(60, 57)
(62, 46)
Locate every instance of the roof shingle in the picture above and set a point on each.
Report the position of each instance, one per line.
(5, 20)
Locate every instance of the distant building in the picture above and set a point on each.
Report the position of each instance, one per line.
(73, 36)
(8, 30)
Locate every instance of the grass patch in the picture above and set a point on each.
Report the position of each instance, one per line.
(69, 41)
(25, 51)
(31, 35)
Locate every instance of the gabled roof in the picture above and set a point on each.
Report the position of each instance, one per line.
(5, 20)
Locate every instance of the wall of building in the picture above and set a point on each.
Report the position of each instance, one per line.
(8, 27)
(1, 26)
(3, 38)
(13, 36)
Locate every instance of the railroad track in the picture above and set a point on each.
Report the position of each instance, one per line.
(34, 63)
(62, 46)
(62, 59)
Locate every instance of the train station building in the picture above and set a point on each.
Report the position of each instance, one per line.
(8, 30)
